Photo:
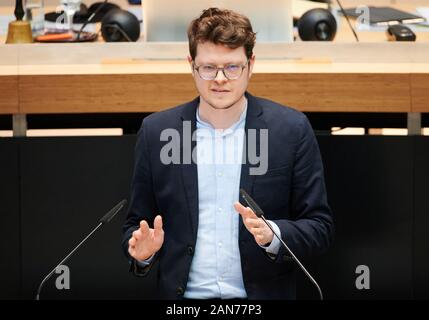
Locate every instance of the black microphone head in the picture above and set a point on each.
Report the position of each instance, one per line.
(109, 215)
(251, 203)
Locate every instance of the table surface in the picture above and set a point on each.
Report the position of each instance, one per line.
(344, 33)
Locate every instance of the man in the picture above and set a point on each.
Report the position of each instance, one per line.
(186, 212)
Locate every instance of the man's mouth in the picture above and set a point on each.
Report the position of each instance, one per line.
(220, 90)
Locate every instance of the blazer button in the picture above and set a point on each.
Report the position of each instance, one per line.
(180, 291)
(190, 250)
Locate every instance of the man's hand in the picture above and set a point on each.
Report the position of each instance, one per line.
(256, 226)
(145, 241)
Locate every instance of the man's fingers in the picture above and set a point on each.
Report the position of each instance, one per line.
(242, 210)
(239, 207)
(250, 213)
(256, 231)
(252, 222)
(158, 232)
(132, 242)
(158, 223)
(144, 227)
(137, 235)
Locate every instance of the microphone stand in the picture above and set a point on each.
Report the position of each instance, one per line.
(258, 211)
(295, 258)
(103, 221)
(348, 20)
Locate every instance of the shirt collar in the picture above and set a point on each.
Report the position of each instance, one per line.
(203, 124)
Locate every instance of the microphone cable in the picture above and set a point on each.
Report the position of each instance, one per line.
(90, 18)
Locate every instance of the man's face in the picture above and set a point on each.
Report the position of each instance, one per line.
(221, 93)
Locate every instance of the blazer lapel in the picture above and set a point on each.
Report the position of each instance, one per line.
(189, 167)
(254, 121)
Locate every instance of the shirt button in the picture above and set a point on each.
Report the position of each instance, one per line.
(190, 250)
(219, 174)
(219, 209)
(220, 244)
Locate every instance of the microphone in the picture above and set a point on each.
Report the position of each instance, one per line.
(258, 211)
(348, 20)
(105, 219)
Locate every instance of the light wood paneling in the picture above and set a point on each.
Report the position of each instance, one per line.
(420, 92)
(8, 94)
(154, 92)
(336, 92)
(104, 93)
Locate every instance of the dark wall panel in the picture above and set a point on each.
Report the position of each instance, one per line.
(370, 188)
(421, 231)
(375, 185)
(9, 219)
(68, 184)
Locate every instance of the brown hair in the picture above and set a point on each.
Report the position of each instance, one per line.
(221, 26)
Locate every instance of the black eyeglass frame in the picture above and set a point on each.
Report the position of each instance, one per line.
(223, 70)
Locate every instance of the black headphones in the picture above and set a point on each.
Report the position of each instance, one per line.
(317, 25)
(120, 25)
(99, 9)
(84, 13)
(116, 24)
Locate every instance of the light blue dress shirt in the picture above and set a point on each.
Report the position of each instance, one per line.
(216, 265)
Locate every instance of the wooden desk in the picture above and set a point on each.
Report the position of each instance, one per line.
(9, 94)
(8, 80)
(342, 76)
(122, 77)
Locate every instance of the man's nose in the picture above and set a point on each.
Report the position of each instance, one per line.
(220, 77)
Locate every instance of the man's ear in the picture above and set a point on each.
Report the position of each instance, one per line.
(251, 64)
(190, 61)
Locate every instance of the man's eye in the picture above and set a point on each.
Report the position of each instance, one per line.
(208, 68)
(232, 67)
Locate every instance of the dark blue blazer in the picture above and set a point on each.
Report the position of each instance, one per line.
(292, 194)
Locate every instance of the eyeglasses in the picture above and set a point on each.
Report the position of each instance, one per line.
(231, 71)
